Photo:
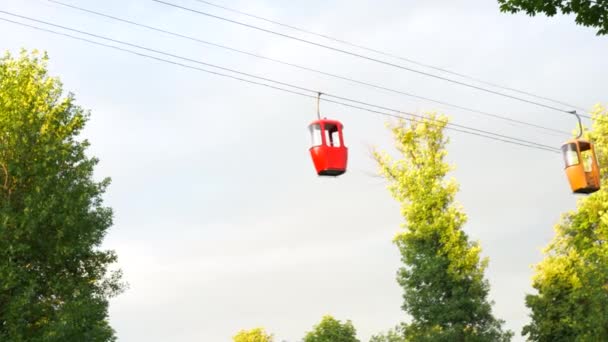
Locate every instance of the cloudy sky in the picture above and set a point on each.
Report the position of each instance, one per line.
(220, 221)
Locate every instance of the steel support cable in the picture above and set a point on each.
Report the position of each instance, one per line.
(387, 54)
(376, 86)
(354, 54)
(485, 134)
(254, 76)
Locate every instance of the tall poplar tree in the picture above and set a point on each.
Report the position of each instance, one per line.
(445, 292)
(54, 279)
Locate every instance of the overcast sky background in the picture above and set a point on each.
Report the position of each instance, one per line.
(220, 221)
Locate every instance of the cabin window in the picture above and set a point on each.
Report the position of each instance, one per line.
(332, 137)
(587, 157)
(315, 134)
(570, 154)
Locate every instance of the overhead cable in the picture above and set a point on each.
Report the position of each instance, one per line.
(368, 84)
(386, 54)
(354, 54)
(454, 127)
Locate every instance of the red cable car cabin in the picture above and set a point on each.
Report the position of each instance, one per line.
(328, 151)
(582, 168)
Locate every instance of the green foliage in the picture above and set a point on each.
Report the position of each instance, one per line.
(571, 303)
(54, 282)
(253, 335)
(396, 334)
(593, 13)
(445, 291)
(332, 330)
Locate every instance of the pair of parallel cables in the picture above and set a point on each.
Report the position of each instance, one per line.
(382, 110)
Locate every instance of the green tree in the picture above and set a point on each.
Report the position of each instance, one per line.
(571, 303)
(54, 280)
(593, 13)
(253, 335)
(396, 334)
(444, 288)
(332, 330)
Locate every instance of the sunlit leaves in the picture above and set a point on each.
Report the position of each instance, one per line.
(253, 335)
(571, 303)
(54, 283)
(332, 330)
(444, 289)
(396, 334)
(593, 13)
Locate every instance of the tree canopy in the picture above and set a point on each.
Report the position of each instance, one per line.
(253, 335)
(54, 279)
(571, 303)
(593, 13)
(396, 334)
(332, 330)
(445, 292)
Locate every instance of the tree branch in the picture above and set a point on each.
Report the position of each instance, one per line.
(5, 186)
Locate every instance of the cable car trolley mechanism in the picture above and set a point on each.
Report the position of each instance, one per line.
(328, 152)
(581, 165)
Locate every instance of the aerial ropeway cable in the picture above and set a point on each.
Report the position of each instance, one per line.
(348, 79)
(453, 126)
(358, 55)
(330, 155)
(384, 53)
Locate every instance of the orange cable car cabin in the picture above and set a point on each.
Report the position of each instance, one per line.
(582, 169)
(328, 152)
